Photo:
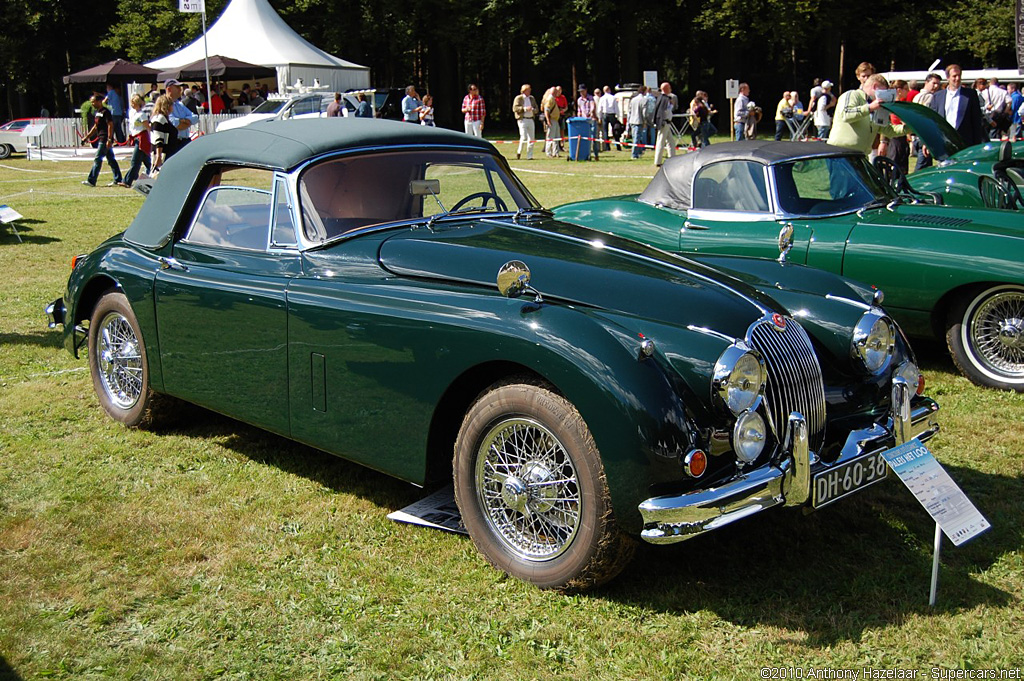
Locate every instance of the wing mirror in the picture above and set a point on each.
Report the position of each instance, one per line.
(514, 280)
(785, 241)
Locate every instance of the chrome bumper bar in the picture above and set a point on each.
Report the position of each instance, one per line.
(674, 518)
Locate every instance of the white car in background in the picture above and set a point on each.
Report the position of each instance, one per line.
(11, 139)
(311, 105)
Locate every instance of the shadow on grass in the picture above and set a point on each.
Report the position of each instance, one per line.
(862, 563)
(334, 473)
(25, 232)
(7, 673)
(42, 339)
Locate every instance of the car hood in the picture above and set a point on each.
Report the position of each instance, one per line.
(948, 218)
(939, 136)
(578, 266)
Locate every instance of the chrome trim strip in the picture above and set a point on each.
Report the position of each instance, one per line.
(797, 487)
(674, 518)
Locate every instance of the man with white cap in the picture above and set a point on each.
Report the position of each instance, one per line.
(181, 118)
(821, 106)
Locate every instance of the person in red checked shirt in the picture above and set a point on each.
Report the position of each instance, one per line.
(475, 111)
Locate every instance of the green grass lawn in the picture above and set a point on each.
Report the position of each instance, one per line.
(212, 549)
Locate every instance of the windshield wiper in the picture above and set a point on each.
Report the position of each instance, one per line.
(529, 212)
(874, 203)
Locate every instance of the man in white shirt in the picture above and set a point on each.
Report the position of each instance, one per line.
(608, 114)
(997, 106)
(739, 112)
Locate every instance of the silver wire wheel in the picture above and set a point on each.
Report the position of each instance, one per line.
(993, 334)
(527, 486)
(119, 360)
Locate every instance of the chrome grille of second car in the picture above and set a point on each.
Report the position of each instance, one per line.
(794, 375)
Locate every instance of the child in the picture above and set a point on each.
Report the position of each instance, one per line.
(162, 134)
(427, 111)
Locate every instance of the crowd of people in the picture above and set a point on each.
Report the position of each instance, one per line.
(159, 124)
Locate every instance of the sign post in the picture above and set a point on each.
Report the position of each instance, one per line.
(946, 503)
(194, 6)
(732, 91)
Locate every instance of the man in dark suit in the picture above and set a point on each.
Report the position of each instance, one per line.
(960, 107)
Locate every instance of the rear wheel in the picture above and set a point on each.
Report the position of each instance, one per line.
(985, 335)
(5, 151)
(119, 364)
(532, 491)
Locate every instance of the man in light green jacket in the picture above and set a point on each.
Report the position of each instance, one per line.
(854, 125)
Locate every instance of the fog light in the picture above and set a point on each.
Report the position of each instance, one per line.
(695, 463)
(748, 436)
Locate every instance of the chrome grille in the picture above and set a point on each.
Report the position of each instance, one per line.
(794, 375)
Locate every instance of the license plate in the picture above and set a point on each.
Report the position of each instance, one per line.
(851, 476)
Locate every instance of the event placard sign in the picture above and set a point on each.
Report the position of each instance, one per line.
(191, 6)
(942, 498)
(732, 89)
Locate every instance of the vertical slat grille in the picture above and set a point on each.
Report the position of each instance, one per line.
(794, 375)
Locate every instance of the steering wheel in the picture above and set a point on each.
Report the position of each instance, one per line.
(498, 203)
(1006, 183)
(891, 173)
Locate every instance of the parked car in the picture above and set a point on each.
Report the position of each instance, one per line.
(310, 105)
(983, 175)
(949, 272)
(11, 139)
(365, 287)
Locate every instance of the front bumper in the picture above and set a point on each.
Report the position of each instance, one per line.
(787, 481)
(55, 313)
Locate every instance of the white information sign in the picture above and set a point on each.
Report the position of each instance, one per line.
(8, 214)
(927, 480)
(33, 130)
(191, 6)
(651, 79)
(732, 89)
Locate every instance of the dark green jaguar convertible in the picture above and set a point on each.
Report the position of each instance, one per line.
(947, 272)
(393, 294)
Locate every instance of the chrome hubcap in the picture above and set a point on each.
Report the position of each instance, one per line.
(997, 333)
(119, 361)
(527, 487)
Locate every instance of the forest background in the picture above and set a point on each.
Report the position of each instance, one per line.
(441, 45)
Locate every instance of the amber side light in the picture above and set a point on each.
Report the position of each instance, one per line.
(920, 384)
(695, 463)
(75, 259)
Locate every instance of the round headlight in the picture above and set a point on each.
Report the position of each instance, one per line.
(739, 378)
(874, 340)
(748, 436)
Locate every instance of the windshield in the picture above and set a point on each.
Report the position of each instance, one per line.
(271, 106)
(349, 193)
(829, 185)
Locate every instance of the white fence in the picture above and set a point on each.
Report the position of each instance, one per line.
(67, 132)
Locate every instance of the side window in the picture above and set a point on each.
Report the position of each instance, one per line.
(283, 234)
(233, 217)
(732, 185)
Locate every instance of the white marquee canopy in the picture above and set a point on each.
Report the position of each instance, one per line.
(252, 31)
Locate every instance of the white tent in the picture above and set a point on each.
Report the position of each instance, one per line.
(252, 31)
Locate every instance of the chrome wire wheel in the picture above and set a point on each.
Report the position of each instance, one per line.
(119, 360)
(993, 333)
(527, 487)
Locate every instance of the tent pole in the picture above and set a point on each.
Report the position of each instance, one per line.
(209, 89)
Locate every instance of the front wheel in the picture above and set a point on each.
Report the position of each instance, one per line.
(985, 335)
(118, 363)
(531, 488)
(5, 151)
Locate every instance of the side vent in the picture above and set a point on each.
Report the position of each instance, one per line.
(934, 220)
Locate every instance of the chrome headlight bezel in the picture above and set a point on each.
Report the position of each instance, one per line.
(749, 436)
(736, 384)
(874, 341)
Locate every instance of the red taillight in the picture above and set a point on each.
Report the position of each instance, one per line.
(695, 463)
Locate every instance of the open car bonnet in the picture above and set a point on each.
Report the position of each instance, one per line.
(939, 136)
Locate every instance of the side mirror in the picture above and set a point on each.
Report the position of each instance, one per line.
(513, 278)
(785, 241)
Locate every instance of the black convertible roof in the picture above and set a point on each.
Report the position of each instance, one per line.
(671, 187)
(276, 145)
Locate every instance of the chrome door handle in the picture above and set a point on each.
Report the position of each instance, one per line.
(690, 225)
(172, 264)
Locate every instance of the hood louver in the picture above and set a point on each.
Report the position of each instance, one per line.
(936, 220)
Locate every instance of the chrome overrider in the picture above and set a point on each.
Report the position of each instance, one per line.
(787, 479)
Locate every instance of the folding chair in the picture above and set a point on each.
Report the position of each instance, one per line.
(798, 129)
